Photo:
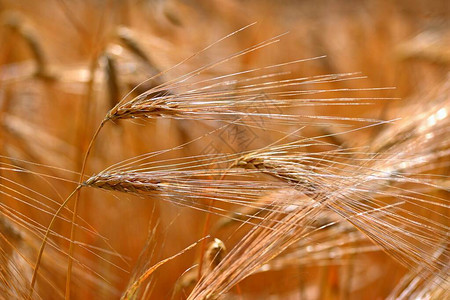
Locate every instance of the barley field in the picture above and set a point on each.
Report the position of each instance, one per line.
(224, 149)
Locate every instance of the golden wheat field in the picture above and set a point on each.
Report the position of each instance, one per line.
(224, 149)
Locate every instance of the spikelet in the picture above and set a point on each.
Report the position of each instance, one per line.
(189, 187)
